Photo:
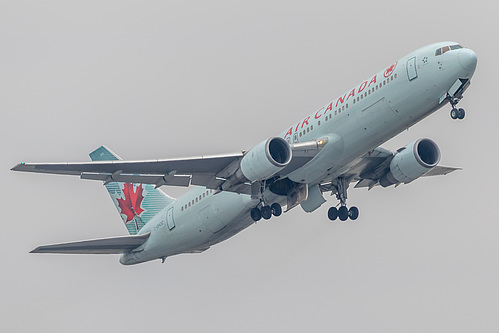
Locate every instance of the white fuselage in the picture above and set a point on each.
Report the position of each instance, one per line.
(356, 122)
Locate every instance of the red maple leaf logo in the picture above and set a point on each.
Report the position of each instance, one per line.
(130, 206)
(390, 69)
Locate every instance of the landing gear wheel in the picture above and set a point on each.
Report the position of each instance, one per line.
(332, 213)
(343, 213)
(276, 209)
(266, 212)
(256, 214)
(460, 113)
(353, 213)
(454, 113)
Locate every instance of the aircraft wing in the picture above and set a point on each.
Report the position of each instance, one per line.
(368, 169)
(208, 171)
(115, 245)
(175, 172)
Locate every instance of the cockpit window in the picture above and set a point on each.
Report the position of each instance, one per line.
(444, 49)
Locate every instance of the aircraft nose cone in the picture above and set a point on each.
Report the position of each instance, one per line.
(467, 59)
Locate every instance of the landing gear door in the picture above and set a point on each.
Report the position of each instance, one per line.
(412, 72)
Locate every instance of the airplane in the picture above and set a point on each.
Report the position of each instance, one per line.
(331, 148)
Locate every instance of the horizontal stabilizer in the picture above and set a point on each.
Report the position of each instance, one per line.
(114, 245)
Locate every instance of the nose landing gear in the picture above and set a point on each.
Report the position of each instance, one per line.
(456, 113)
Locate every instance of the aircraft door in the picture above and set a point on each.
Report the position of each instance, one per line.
(169, 219)
(412, 72)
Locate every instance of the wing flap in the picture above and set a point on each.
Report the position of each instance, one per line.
(114, 245)
(440, 171)
(176, 180)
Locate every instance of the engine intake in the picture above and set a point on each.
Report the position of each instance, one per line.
(411, 162)
(266, 159)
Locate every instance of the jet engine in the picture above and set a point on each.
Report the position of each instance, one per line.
(266, 159)
(411, 162)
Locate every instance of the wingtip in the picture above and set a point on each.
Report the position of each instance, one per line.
(18, 167)
(37, 250)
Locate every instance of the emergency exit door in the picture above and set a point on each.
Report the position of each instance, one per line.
(169, 219)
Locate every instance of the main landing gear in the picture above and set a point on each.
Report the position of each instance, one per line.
(263, 209)
(343, 213)
(266, 211)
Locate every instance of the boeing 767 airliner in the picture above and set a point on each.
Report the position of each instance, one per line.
(333, 147)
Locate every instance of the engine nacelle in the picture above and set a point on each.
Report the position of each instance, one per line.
(266, 159)
(413, 161)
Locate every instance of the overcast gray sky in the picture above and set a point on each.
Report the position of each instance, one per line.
(161, 79)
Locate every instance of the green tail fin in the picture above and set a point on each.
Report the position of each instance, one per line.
(137, 203)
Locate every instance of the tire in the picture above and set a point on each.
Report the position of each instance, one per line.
(266, 212)
(461, 113)
(256, 214)
(353, 213)
(343, 213)
(332, 213)
(454, 113)
(276, 209)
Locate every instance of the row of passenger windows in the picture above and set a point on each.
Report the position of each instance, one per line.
(355, 100)
(373, 89)
(306, 130)
(197, 199)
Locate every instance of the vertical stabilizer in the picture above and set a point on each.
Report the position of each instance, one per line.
(137, 203)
